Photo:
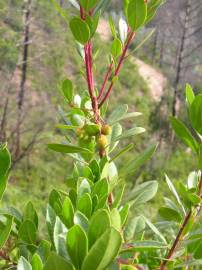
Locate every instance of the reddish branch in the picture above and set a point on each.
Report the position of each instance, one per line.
(117, 70)
(108, 74)
(180, 233)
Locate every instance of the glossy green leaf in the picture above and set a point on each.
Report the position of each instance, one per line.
(184, 134)
(124, 213)
(67, 89)
(80, 30)
(190, 96)
(99, 223)
(104, 251)
(101, 188)
(31, 214)
(81, 219)
(115, 219)
(77, 245)
(169, 214)
(196, 114)
(59, 237)
(27, 232)
(5, 163)
(5, 160)
(50, 221)
(37, 262)
(67, 148)
(137, 13)
(116, 48)
(85, 205)
(55, 262)
(67, 214)
(5, 231)
(23, 264)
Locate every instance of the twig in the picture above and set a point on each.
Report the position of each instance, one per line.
(180, 233)
(116, 73)
(109, 71)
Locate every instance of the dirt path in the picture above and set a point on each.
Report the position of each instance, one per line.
(156, 80)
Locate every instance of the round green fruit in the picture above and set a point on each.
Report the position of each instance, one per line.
(106, 130)
(102, 141)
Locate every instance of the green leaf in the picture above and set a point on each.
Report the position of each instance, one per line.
(112, 27)
(190, 96)
(118, 113)
(104, 251)
(136, 163)
(37, 262)
(169, 214)
(194, 199)
(67, 214)
(5, 231)
(101, 188)
(81, 220)
(80, 30)
(5, 160)
(144, 246)
(5, 163)
(67, 89)
(27, 232)
(55, 262)
(124, 213)
(89, 4)
(174, 191)
(134, 227)
(200, 157)
(123, 151)
(31, 214)
(99, 223)
(196, 114)
(184, 134)
(143, 192)
(115, 219)
(60, 10)
(77, 245)
(23, 264)
(85, 205)
(116, 48)
(137, 13)
(152, 7)
(155, 230)
(68, 148)
(118, 197)
(131, 132)
(44, 250)
(50, 220)
(59, 237)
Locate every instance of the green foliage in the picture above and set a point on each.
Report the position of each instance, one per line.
(90, 224)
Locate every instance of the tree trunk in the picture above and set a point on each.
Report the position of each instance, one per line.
(175, 106)
(21, 93)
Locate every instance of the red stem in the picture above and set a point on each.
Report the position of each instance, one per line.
(180, 233)
(109, 71)
(116, 73)
(89, 72)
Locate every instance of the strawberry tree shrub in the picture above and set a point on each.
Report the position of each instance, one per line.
(88, 223)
